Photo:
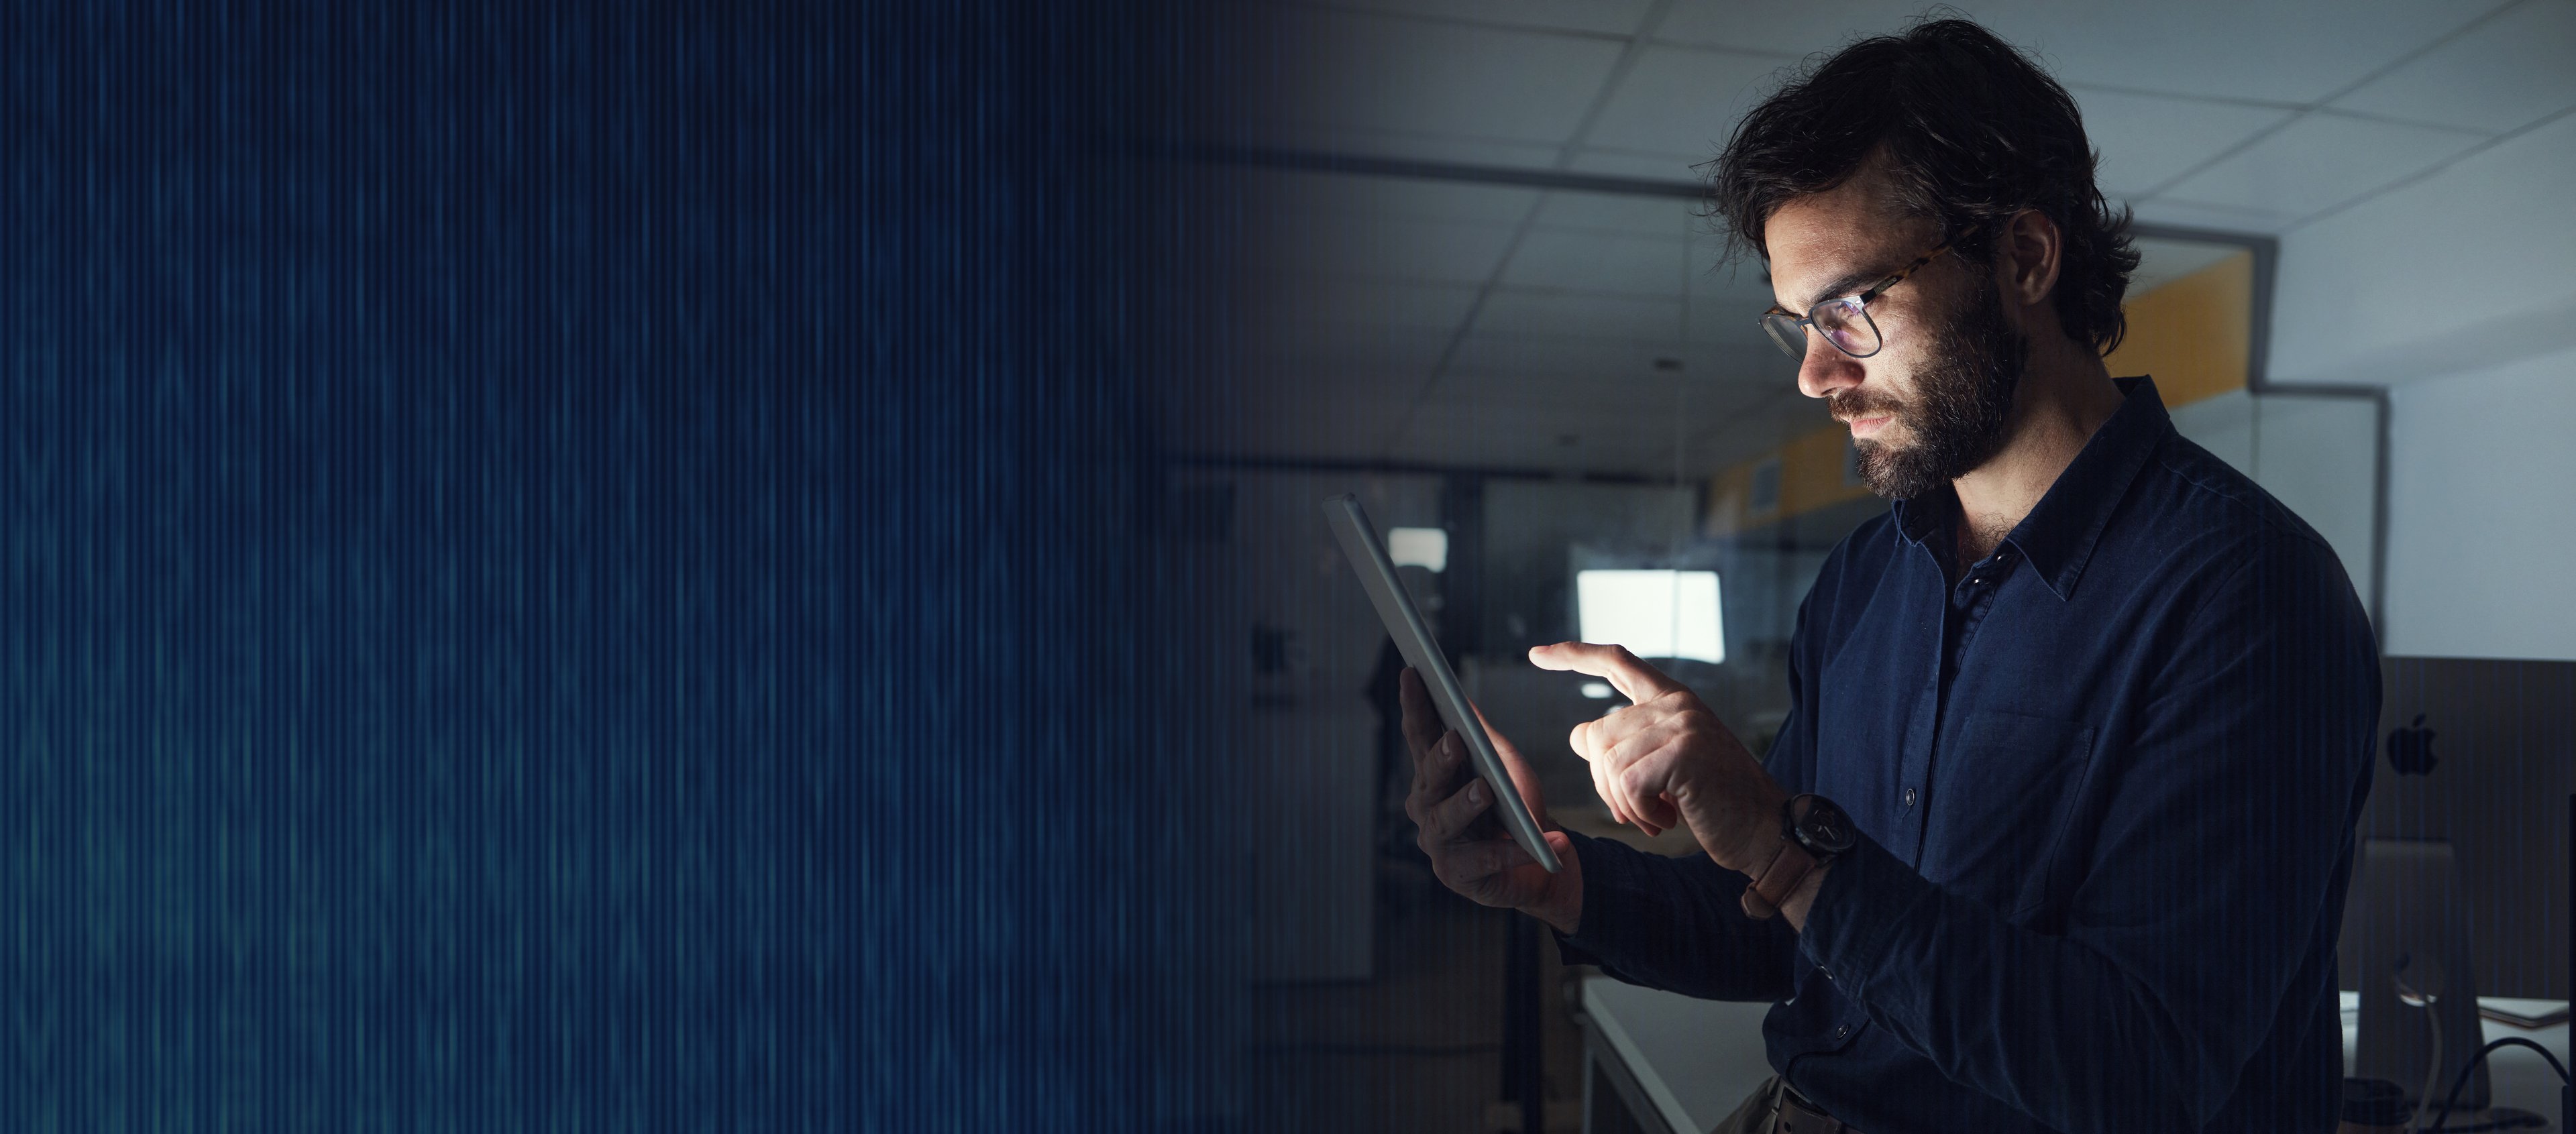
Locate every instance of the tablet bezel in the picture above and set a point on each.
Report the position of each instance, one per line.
(1395, 609)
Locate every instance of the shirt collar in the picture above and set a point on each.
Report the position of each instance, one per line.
(2059, 534)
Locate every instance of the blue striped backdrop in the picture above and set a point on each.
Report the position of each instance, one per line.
(591, 567)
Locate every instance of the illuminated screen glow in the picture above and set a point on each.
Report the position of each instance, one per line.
(1656, 614)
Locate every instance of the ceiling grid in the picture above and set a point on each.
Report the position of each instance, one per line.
(1456, 290)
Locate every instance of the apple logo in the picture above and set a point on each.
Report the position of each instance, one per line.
(2410, 750)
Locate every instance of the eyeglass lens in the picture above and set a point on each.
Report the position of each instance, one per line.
(1841, 321)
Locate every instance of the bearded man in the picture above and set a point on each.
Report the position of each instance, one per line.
(2057, 833)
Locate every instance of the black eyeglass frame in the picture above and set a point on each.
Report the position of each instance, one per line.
(1785, 329)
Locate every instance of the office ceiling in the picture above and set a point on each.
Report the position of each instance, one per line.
(1450, 320)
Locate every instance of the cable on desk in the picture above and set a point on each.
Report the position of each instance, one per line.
(2462, 1080)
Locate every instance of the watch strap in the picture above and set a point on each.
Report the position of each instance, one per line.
(1763, 898)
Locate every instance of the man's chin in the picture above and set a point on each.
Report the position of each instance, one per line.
(1888, 472)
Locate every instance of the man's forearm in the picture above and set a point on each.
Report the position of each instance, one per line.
(1671, 923)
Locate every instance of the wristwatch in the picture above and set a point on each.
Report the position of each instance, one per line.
(1813, 832)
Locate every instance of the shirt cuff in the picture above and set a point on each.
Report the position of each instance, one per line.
(1611, 877)
(1867, 894)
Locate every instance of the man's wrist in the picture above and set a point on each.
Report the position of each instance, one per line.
(1562, 909)
(1759, 840)
(1803, 899)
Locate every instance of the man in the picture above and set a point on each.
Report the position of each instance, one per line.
(2057, 833)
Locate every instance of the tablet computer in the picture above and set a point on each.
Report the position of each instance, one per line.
(1413, 639)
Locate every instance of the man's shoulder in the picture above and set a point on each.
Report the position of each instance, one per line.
(2205, 482)
(2188, 500)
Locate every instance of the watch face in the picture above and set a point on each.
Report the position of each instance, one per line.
(1824, 827)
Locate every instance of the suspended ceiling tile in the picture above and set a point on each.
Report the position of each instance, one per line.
(1397, 248)
(1682, 100)
(1269, 195)
(1515, 310)
(2147, 140)
(1322, 350)
(1654, 402)
(1607, 262)
(1727, 302)
(1556, 356)
(1348, 70)
(2295, 51)
(1675, 168)
(1305, 305)
(1623, 213)
(1468, 434)
(2291, 51)
(2177, 213)
(1609, 17)
(1713, 376)
(1544, 399)
(2504, 74)
(1789, 32)
(1344, 427)
(2319, 161)
(1404, 145)
(2464, 269)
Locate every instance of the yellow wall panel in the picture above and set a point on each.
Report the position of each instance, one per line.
(2193, 334)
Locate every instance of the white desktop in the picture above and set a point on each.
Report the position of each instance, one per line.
(1680, 1064)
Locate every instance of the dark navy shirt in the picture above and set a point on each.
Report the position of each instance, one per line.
(2106, 783)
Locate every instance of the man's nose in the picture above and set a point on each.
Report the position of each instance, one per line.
(1825, 369)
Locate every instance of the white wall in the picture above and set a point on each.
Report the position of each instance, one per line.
(2458, 291)
(2482, 513)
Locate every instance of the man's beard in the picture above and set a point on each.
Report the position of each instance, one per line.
(1956, 419)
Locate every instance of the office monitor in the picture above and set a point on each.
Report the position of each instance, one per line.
(2480, 753)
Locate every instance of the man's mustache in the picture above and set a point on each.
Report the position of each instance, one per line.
(1846, 406)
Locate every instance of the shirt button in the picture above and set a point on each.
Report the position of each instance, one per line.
(1825, 974)
(1909, 797)
(1842, 1030)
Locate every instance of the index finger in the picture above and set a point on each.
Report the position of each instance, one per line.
(1634, 679)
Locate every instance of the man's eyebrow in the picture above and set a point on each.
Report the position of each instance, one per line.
(1846, 284)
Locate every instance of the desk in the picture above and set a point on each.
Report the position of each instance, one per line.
(1670, 1064)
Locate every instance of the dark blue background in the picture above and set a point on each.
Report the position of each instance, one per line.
(595, 567)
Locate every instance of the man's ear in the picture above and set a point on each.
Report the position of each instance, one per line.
(2031, 251)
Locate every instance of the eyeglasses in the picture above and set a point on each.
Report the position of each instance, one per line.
(1844, 321)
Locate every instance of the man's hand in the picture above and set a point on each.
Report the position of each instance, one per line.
(1666, 759)
(1470, 851)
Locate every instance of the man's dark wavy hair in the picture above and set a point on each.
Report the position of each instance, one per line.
(1973, 132)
